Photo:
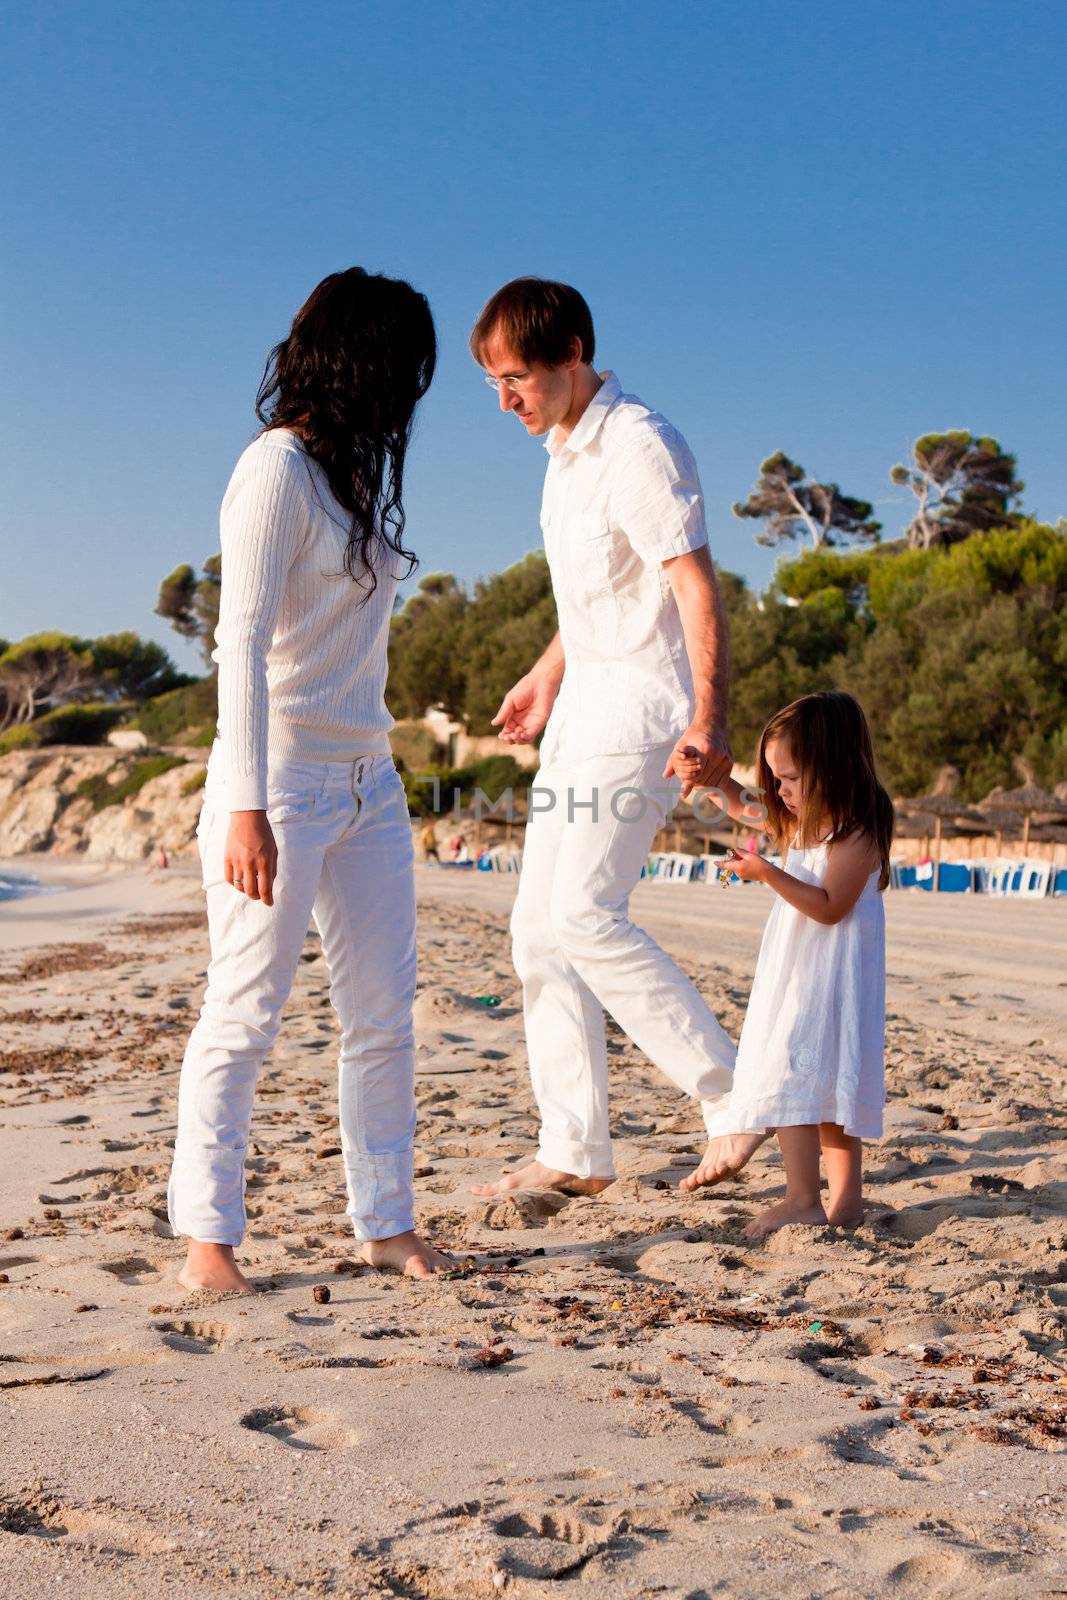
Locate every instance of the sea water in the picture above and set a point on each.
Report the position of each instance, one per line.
(17, 885)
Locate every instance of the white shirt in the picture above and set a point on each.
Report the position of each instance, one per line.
(302, 664)
(622, 495)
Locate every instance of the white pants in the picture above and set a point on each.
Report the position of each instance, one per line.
(578, 954)
(345, 856)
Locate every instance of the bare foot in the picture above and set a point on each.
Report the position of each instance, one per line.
(840, 1217)
(724, 1158)
(538, 1176)
(406, 1253)
(211, 1266)
(780, 1216)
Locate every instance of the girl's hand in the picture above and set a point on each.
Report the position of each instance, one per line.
(748, 865)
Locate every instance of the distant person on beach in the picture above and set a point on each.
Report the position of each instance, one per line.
(636, 675)
(304, 813)
(428, 840)
(810, 1060)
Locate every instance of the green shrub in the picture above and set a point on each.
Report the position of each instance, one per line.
(102, 793)
(197, 781)
(193, 707)
(84, 724)
(492, 775)
(24, 736)
(415, 749)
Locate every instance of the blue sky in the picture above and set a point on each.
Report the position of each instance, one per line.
(826, 229)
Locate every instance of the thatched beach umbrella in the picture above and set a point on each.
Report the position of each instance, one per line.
(940, 806)
(1028, 800)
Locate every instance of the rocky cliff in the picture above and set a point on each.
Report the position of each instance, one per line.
(41, 809)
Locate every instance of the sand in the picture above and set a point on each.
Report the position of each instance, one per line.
(616, 1397)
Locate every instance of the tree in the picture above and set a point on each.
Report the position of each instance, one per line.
(789, 503)
(507, 626)
(41, 670)
(191, 604)
(134, 668)
(426, 666)
(963, 485)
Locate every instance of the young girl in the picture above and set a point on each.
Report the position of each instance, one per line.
(810, 1058)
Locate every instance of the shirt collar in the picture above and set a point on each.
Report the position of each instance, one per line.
(591, 419)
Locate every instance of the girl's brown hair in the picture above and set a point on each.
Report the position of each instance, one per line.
(831, 746)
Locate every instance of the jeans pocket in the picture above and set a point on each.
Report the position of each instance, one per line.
(291, 803)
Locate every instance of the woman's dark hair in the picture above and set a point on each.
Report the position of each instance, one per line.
(537, 319)
(359, 357)
(830, 742)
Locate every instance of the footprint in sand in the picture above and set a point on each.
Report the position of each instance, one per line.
(131, 1269)
(193, 1338)
(549, 1544)
(528, 1208)
(299, 1427)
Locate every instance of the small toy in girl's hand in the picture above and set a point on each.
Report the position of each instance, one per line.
(724, 872)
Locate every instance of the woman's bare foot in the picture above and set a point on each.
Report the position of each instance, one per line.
(780, 1216)
(211, 1266)
(724, 1158)
(406, 1253)
(538, 1176)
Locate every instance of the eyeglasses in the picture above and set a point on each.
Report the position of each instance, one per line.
(514, 384)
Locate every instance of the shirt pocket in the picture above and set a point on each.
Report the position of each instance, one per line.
(593, 556)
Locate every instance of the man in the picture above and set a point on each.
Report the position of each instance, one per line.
(633, 684)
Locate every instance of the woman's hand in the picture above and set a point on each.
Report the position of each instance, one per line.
(251, 855)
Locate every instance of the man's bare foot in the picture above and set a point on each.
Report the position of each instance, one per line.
(724, 1158)
(406, 1253)
(780, 1216)
(211, 1266)
(538, 1176)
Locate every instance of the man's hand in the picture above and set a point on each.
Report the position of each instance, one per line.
(251, 855)
(701, 758)
(525, 708)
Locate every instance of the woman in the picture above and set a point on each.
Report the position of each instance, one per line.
(304, 813)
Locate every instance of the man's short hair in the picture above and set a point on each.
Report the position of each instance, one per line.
(537, 319)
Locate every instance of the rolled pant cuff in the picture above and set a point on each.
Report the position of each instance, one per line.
(205, 1232)
(717, 1119)
(581, 1161)
(366, 1231)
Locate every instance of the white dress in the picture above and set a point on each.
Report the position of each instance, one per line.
(812, 1044)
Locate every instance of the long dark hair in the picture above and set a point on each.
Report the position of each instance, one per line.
(359, 357)
(830, 742)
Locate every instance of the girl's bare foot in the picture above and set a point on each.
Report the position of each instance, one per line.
(780, 1216)
(846, 1217)
(538, 1176)
(406, 1253)
(724, 1158)
(211, 1266)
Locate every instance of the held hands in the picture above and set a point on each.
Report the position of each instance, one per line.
(526, 707)
(701, 758)
(251, 855)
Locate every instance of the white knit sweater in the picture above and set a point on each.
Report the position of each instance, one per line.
(302, 664)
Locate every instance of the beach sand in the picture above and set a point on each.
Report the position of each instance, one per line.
(617, 1396)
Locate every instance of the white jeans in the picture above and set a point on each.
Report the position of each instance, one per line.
(345, 856)
(578, 954)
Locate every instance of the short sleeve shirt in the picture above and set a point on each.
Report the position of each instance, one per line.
(622, 496)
